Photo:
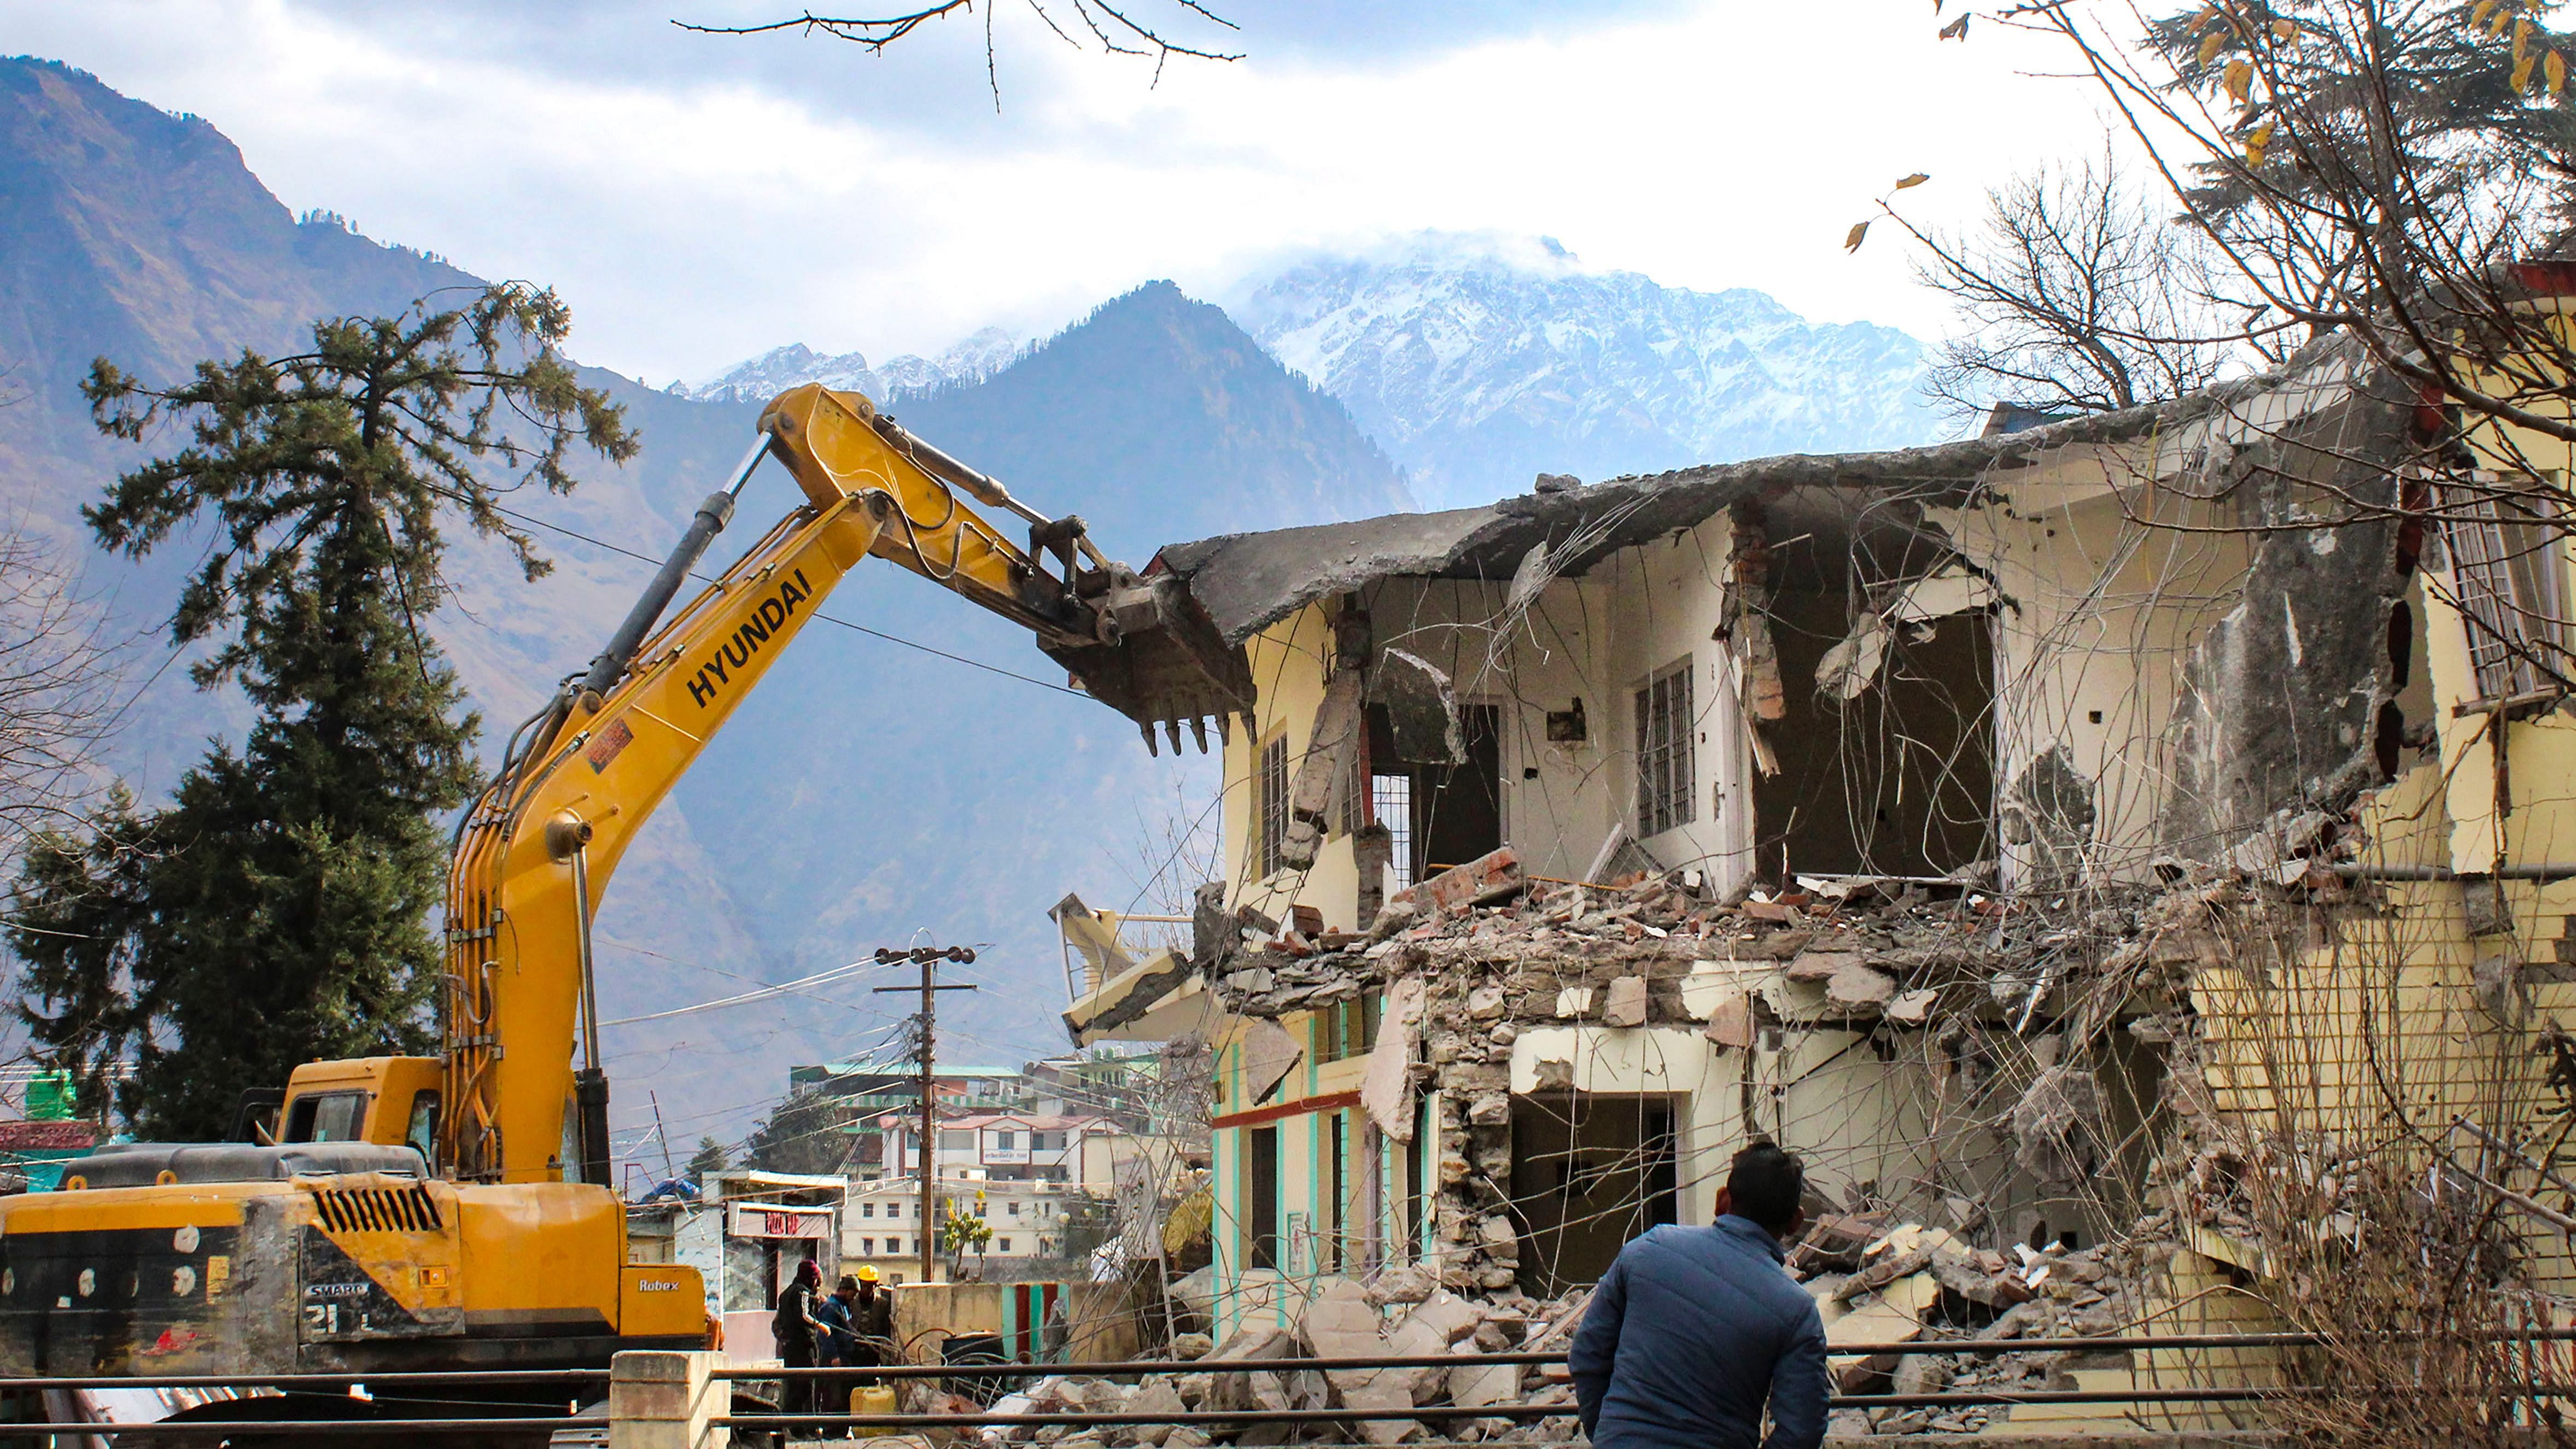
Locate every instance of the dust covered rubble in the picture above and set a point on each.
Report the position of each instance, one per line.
(1875, 1283)
(1500, 954)
(1402, 1313)
(1834, 951)
(1881, 1283)
(1837, 950)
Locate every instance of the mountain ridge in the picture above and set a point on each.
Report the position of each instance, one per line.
(981, 354)
(1478, 361)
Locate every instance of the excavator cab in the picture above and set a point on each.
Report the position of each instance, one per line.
(389, 1101)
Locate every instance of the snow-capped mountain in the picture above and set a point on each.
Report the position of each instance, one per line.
(773, 372)
(1480, 361)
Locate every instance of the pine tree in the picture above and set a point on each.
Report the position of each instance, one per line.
(710, 1157)
(803, 1135)
(277, 910)
(2370, 149)
(77, 932)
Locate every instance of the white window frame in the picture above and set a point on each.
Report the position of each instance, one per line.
(1666, 728)
(2508, 572)
(1270, 805)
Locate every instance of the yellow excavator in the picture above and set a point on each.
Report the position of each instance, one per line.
(456, 1212)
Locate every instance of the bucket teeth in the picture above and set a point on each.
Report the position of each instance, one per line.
(1198, 731)
(1224, 728)
(1172, 732)
(1147, 730)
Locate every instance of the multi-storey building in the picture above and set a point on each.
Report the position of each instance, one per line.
(2031, 831)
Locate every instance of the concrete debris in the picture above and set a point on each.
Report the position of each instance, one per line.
(1730, 1021)
(1403, 1284)
(1506, 965)
(1881, 1283)
(1856, 990)
(1333, 742)
(2050, 812)
(1851, 666)
(1386, 1090)
(2057, 1126)
(1187, 1346)
(1401, 1313)
(1421, 708)
(1269, 1055)
(1627, 1003)
(1495, 876)
(1494, 944)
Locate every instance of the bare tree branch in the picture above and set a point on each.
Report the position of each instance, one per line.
(1118, 28)
(57, 671)
(2076, 298)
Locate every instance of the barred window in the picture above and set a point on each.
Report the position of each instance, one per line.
(1270, 805)
(1664, 727)
(1391, 798)
(1347, 1028)
(2505, 564)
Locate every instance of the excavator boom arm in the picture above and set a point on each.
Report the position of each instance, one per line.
(536, 851)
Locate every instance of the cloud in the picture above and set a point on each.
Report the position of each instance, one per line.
(701, 200)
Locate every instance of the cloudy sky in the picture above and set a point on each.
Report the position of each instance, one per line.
(702, 198)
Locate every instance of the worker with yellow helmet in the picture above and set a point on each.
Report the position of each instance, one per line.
(871, 1308)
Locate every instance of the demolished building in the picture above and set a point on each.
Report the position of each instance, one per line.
(2061, 839)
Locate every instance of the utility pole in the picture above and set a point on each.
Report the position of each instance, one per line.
(669, 1171)
(928, 957)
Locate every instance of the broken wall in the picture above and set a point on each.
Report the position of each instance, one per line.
(1596, 638)
(2098, 615)
(1882, 677)
(2281, 696)
(1290, 670)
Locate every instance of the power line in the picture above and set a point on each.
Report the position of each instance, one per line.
(534, 521)
(743, 998)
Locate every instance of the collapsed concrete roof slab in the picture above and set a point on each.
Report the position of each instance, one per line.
(1248, 581)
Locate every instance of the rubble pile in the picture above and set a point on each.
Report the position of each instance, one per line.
(1487, 961)
(1402, 1313)
(1501, 954)
(1843, 950)
(1875, 1283)
(1905, 1283)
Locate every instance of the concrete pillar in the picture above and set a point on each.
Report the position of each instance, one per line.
(663, 1401)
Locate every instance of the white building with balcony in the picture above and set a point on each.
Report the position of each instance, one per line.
(882, 1225)
(1010, 1146)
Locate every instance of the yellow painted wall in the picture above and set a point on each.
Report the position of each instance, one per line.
(1288, 668)
(1273, 1297)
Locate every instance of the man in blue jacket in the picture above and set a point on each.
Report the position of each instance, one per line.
(1693, 1329)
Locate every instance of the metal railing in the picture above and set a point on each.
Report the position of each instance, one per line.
(408, 1393)
(583, 1409)
(1425, 1413)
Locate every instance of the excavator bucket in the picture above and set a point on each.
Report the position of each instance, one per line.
(1169, 667)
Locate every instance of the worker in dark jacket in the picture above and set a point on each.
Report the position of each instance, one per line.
(834, 1345)
(793, 1328)
(1693, 1330)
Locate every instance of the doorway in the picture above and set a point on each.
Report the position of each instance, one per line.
(1590, 1171)
(1439, 815)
